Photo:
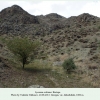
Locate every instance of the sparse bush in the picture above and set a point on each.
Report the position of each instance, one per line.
(69, 65)
(23, 48)
(99, 27)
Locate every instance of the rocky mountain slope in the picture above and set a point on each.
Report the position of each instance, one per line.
(58, 34)
(76, 36)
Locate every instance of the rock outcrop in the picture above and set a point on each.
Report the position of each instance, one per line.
(35, 86)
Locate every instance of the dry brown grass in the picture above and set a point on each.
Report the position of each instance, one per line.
(43, 73)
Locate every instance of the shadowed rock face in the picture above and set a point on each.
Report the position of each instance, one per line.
(15, 9)
(86, 17)
(16, 15)
(13, 19)
(54, 15)
(2, 63)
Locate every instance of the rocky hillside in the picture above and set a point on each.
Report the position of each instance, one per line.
(15, 20)
(53, 29)
(76, 36)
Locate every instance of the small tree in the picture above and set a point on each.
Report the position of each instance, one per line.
(69, 65)
(23, 48)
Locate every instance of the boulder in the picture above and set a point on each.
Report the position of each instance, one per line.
(35, 86)
(57, 63)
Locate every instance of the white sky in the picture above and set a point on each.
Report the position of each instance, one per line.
(65, 8)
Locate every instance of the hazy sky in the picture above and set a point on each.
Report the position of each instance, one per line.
(65, 8)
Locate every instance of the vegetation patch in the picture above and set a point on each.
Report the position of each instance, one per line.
(69, 65)
(23, 48)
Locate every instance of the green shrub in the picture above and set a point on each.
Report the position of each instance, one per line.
(69, 65)
(99, 27)
(23, 48)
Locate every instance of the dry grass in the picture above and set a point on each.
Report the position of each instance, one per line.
(42, 72)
